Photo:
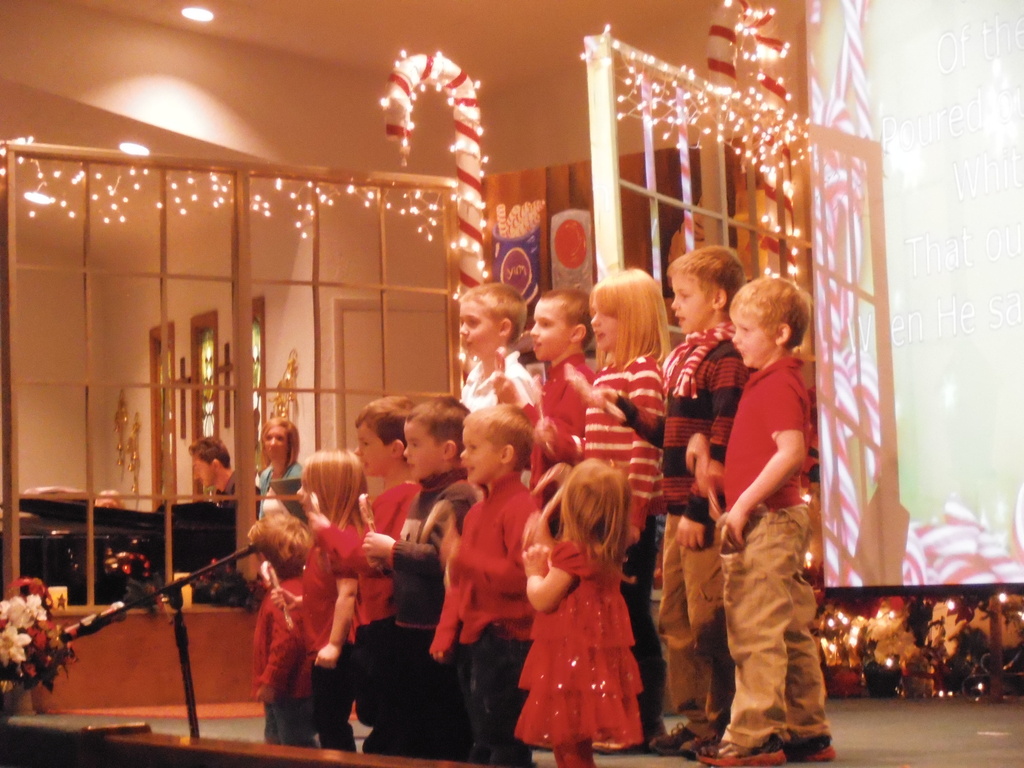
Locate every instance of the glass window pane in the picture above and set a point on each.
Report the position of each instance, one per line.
(413, 257)
(349, 235)
(199, 223)
(50, 213)
(48, 345)
(122, 310)
(51, 436)
(417, 355)
(351, 339)
(124, 218)
(120, 445)
(281, 221)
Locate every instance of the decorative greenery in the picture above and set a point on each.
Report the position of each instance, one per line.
(31, 650)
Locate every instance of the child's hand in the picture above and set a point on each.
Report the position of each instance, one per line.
(266, 694)
(535, 560)
(377, 546)
(544, 435)
(505, 390)
(698, 454)
(450, 543)
(735, 521)
(601, 398)
(283, 599)
(327, 657)
(443, 657)
(691, 535)
(317, 521)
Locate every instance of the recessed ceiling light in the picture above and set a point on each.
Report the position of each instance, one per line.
(131, 148)
(197, 14)
(39, 198)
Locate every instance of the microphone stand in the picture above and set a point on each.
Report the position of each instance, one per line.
(172, 591)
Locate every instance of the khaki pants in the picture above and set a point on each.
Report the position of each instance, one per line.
(769, 608)
(701, 674)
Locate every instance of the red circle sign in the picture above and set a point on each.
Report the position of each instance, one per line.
(571, 243)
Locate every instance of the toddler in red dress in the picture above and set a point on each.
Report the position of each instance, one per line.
(582, 678)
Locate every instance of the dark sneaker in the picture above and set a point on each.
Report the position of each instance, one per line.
(817, 749)
(729, 753)
(674, 743)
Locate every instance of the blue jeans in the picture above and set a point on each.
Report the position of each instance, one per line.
(290, 722)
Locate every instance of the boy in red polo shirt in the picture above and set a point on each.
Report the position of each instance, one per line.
(486, 608)
(778, 712)
(380, 445)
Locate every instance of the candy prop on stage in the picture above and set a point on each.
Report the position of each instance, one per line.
(572, 250)
(517, 247)
(420, 71)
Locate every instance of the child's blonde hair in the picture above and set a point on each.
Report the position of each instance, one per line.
(713, 266)
(773, 302)
(285, 541)
(500, 302)
(443, 417)
(506, 425)
(634, 298)
(337, 479)
(385, 417)
(575, 307)
(594, 511)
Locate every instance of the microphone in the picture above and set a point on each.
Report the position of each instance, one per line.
(92, 623)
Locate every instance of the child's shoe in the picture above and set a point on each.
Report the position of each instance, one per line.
(816, 749)
(674, 743)
(728, 753)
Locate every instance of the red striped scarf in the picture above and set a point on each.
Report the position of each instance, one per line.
(682, 364)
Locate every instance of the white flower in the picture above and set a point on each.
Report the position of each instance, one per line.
(12, 645)
(23, 612)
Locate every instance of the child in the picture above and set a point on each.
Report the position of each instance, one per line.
(428, 719)
(332, 482)
(779, 708)
(631, 334)
(561, 331)
(485, 608)
(704, 378)
(491, 318)
(281, 666)
(582, 679)
(380, 435)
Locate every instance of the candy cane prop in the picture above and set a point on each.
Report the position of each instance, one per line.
(419, 71)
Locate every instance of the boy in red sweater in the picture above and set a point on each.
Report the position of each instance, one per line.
(281, 666)
(485, 607)
(561, 331)
(380, 445)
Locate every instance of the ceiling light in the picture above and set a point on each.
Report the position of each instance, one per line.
(131, 148)
(197, 14)
(39, 198)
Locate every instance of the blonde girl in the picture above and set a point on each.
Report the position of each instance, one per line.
(582, 680)
(631, 335)
(332, 482)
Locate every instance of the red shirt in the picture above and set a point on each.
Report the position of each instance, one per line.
(774, 400)
(610, 440)
(562, 404)
(376, 585)
(279, 656)
(488, 582)
(336, 555)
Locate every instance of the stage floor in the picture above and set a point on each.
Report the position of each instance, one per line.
(868, 733)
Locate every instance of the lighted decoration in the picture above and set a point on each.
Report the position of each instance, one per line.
(417, 72)
(285, 397)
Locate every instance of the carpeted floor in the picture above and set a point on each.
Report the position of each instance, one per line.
(868, 733)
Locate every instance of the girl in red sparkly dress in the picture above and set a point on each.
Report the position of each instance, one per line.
(581, 676)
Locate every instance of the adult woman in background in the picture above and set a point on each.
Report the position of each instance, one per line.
(280, 441)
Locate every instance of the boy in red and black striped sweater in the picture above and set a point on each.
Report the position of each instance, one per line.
(704, 378)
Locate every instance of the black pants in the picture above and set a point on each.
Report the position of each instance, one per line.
(426, 717)
(641, 560)
(333, 694)
(489, 671)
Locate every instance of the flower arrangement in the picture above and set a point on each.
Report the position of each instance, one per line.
(31, 650)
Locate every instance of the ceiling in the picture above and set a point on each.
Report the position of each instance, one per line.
(498, 42)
